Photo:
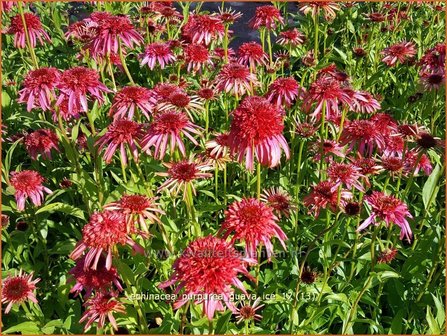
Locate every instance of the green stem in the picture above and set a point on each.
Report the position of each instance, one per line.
(258, 180)
(123, 63)
(27, 37)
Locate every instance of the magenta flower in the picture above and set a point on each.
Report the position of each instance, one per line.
(128, 99)
(236, 78)
(28, 183)
(34, 27)
(41, 141)
(389, 209)
(120, 133)
(156, 52)
(283, 91)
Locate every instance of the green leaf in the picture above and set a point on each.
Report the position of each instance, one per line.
(430, 186)
(433, 327)
(222, 323)
(24, 328)
(62, 207)
(396, 324)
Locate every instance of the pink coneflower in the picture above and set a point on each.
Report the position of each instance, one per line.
(399, 52)
(169, 126)
(432, 81)
(283, 91)
(28, 183)
(412, 166)
(329, 9)
(384, 123)
(364, 102)
(248, 312)
(256, 130)
(157, 52)
(218, 55)
(333, 72)
(17, 289)
(182, 174)
(100, 307)
(179, 100)
(347, 174)
(279, 200)
(34, 27)
(292, 37)
(196, 57)
(207, 92)
(394, 145)
(366, 165)
(41, 141)
(112, 30)
(38, 88)
(325, 195)
(76, 83)
(375, 17)
(219, 146)
(89, 280)
(207, 271)
(120, 133)
(252, 54)
(328, 147)
(254, 223)
(326, 92)
(266, 16)
(229, 16)
(202, 28)
(393, 164)
(363, 134)
(128, 99)
(389, 209)
(164, 90)
(100, 235)
(305, 130)
(236, 78)
(138, 209)
(65, 112)
(433, 59)
(83, 31)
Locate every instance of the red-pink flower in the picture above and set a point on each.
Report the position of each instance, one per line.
(249, 312)
(313, 7)
(17, 289)
(347, 174)
(100, 235)
(157, 52)
(206, 272)
(254, 223)
(100, 280)
(138, 209)
(413, 166)
(256, 130)
(399, 52)
(38, 88)
(284, 90)
(364, 134)
(432, 80)
(279, 200)
(182, 174)
(364, 102)
(433, 59)
(266, 16)
(389, 209)
(202, 28)
(252, 54)
(100, 307)
(120, 133)
(326, 93)
(41, 141)
(236, 78)
(65, 112)
(325, 195)
(292, 37)
(131, 98)
(168, 127)
(84, 30)
(196, 57)
(28, 183)
(34, 27)
(76, 83)
(112, 30)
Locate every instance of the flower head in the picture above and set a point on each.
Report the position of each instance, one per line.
(76, 83)
(138, 209)
(28, 183)
(266, 16)
(120, 133)
(292, 37)
(182, 174)
(128, 99)
(364, 134)
(389, 209)
(284, 90)
(252, 54)
(41, 141)
(329, 9)
(325, 195)
(196, 57)
(112, 30)
(252, 222)
(202, 28)
(34, 28)
(84, 30)
(208, 268)
(38, 88)
(236, 78)
(157, 52)
(168, 127)
(256, 129)
(249, 311)
(347, 174)
(399, 52)
(100, 235)
(17, 289)
(100, 279)
(100, 307)
(279, 200)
